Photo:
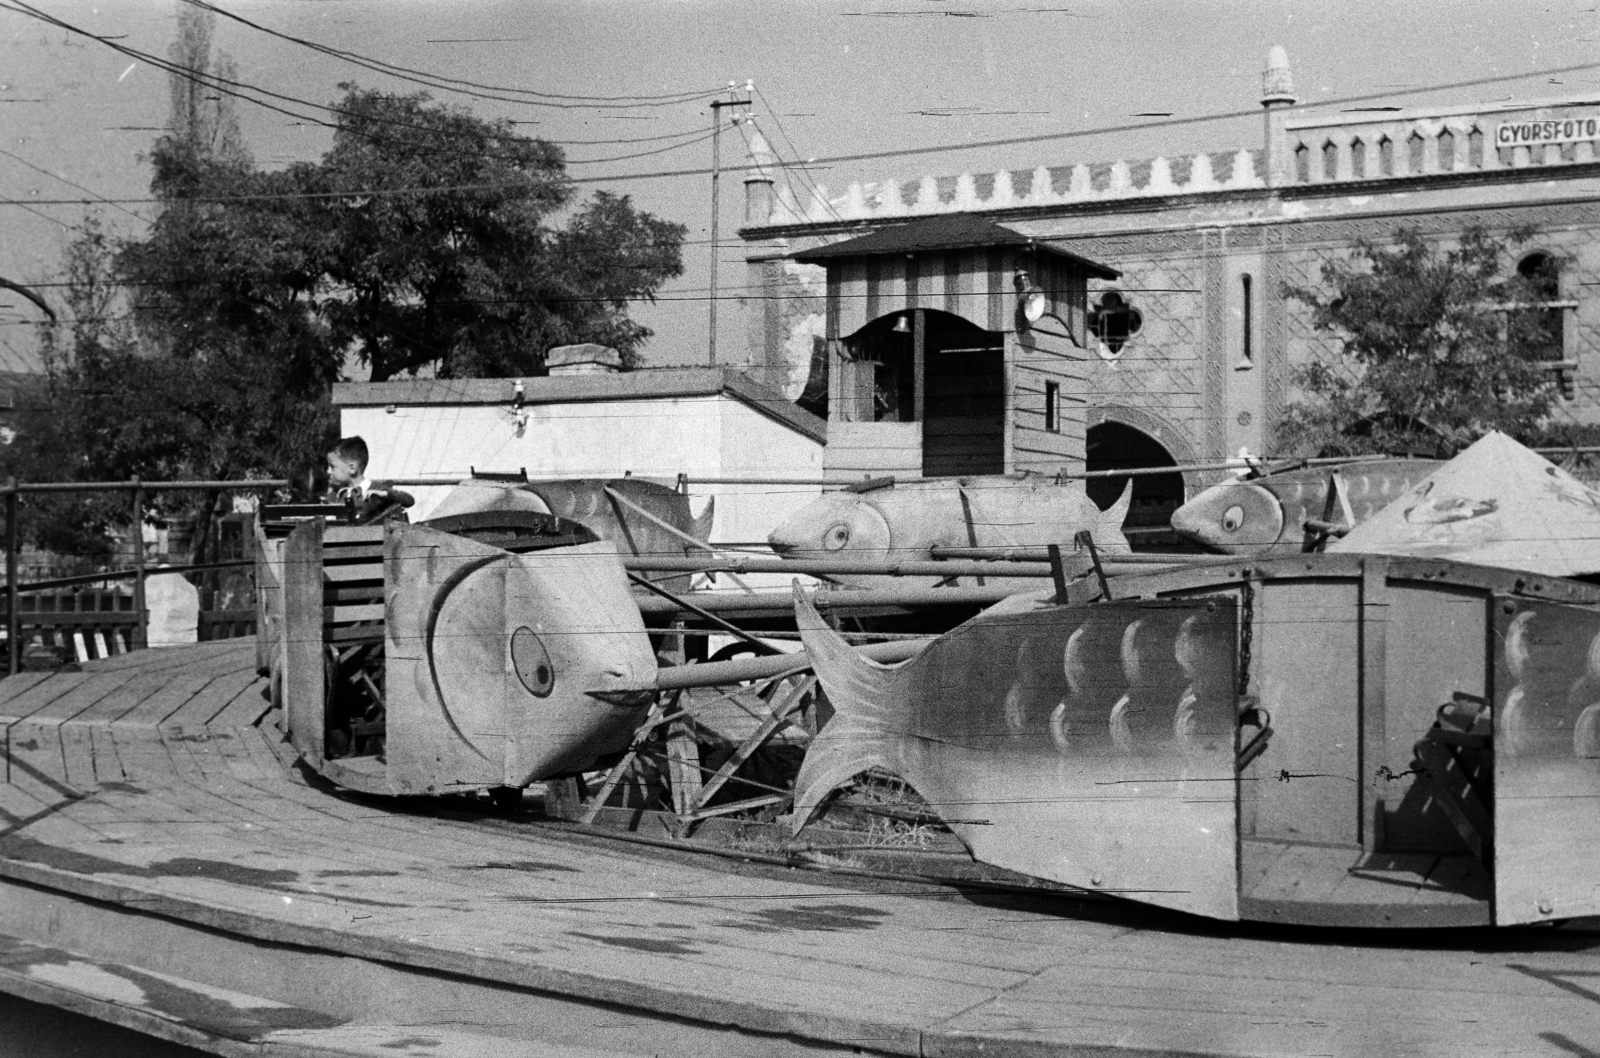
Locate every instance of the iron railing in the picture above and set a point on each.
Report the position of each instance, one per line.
(12, 490)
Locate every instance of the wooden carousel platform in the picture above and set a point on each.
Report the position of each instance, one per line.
(161, 868)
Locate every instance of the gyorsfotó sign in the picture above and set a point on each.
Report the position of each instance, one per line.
(1547, 130)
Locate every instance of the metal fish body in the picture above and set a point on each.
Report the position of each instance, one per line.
(1268, 514)
(906, 521)
(605, 507)
(511, 659)
(1055, 741)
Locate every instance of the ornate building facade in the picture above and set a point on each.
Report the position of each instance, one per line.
(1193, 345)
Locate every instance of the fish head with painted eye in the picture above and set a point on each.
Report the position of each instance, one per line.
(1236, 517)
(540, 662)
(834, 525)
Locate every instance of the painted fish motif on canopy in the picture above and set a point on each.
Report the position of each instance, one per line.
(906, 521)
(1268, 514)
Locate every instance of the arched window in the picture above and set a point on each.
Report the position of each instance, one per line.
(1541, 326)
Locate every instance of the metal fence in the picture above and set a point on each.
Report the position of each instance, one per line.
(106, 623)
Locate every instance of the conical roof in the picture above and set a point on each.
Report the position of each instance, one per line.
(1495, 504)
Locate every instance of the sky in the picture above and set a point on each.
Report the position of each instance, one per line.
(832, 78)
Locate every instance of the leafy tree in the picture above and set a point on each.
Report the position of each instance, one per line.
(439, 256)
(1439, 346)
(423, 242)
(203, 119)
(58, 412)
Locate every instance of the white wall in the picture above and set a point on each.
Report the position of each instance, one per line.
(712, 435)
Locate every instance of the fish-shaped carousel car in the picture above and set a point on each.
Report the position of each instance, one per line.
(1269, 513)
(892, 522)
(640, 516)
(1325, 739)
(414, 661)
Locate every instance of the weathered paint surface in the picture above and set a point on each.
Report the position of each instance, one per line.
(905, 521)
(1268, 514)
(491, 657)
(203, 1007)
(1088, 745)
(1547, 762)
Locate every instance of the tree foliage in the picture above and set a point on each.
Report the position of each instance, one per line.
(58, 412)
(422, 242)
(425, 241)
(1439, 345)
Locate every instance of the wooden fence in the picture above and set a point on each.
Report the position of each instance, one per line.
(62, 628)
(59, 628)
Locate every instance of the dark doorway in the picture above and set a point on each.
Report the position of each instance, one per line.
(964, 406)
(1113, 446)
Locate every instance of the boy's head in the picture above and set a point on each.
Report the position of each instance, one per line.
(347, 462)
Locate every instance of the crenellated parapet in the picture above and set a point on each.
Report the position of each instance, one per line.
(1315, 150)
(1024, 188)
(1346, 149)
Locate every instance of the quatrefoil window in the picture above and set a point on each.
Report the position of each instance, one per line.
(1114, 321)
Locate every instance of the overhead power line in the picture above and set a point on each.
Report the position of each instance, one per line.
(455, 84)
(241, 90)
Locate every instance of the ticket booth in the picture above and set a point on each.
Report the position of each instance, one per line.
(955, 347)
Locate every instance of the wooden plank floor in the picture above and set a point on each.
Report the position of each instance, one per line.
(121, 788)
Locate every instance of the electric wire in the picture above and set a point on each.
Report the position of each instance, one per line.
(471, 88)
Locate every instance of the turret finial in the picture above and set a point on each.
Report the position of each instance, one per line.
(1277, 84)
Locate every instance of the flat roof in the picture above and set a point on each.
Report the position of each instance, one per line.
(952, 231)
(652, 383)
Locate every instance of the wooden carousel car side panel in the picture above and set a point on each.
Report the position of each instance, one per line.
(445, 661)
(300, 650)
(1546, 822)
(269, 598)
(1346, 667)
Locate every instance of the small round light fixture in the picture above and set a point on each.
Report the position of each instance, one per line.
(1031, 301)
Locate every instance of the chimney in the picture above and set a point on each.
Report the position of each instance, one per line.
(1277, 96)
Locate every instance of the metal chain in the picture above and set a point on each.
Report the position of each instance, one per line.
(1246, 636)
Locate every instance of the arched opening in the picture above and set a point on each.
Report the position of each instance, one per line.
(936, 368)
(1115, 446)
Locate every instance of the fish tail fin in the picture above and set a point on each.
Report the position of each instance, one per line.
(867, 699)
(701, 529)
(1110, 537)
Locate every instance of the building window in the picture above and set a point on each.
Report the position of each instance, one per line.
(1114, 321)
(1247, 358)
(1052, 407)
(1541, 326)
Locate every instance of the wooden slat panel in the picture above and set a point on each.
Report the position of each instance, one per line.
(211, 700)
(336, 536)
(247, 707)
(353, 613)
(348, 555)
(107, 762)
(302, 647)
(353, 573)
(77, 752)
(82, 696)
(12, 702)
(34, 754)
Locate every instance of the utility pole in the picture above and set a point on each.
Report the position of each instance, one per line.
(717, 106)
